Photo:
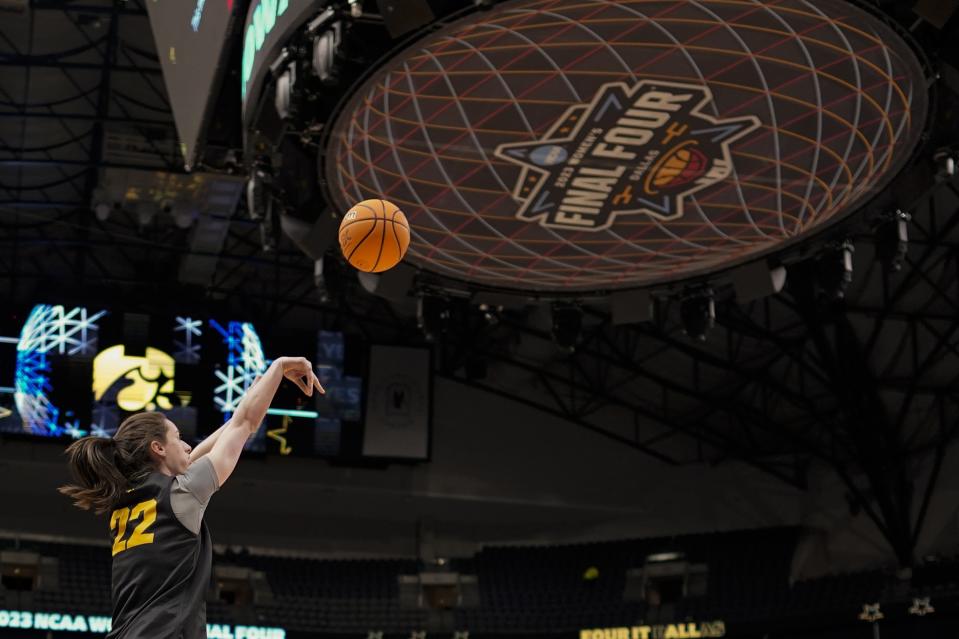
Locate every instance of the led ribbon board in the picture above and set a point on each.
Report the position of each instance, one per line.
(685, 630)
(73, 622)
(591, 145)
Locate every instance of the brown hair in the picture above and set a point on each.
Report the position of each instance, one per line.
(103, 468)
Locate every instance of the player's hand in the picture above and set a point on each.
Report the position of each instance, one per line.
(299, 370)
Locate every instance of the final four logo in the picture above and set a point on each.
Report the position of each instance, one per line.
(639, 149)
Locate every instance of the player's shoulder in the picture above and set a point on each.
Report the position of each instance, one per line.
(151, 484)
(201, 471)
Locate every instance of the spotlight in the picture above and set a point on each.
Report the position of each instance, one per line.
(183, 215)
(892, 239)
(490, 313)
(319, 280)
(567, 325)
(325, 46)
(100, 203)
(285, 98)
(834, 269)
(259, 203)
(697, 311)
(145, 211)
(268, 234)
(433, 315)
(329, 278)
(945, 161)
(102, 210)
(231, 163)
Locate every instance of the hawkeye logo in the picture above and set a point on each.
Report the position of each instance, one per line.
(639, 149)
(139, 382)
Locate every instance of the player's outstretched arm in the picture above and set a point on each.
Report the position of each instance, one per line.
(206, 445)
(252, 409)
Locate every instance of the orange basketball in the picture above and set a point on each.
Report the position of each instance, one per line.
(374, 235)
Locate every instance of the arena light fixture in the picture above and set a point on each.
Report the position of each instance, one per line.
(834, 269)
(102, 210)
(945, 160)
(258, 200)
(892, 239)
(567, 325)
(697, 310)
(319, 280)
(285, 100)
(184, 214)
(662, 557)
(100, 204)
(490, 313)
(433, 315)
(145, 211)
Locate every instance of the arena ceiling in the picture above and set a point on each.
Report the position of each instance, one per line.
(865, 384)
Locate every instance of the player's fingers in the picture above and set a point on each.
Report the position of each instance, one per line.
(293, 377)
(319, 387)
(307, 389)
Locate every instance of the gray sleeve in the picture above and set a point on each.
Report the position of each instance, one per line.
(191, 493)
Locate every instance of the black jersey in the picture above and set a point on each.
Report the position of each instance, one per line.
(161, 570)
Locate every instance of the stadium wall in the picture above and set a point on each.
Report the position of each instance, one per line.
(499, 472)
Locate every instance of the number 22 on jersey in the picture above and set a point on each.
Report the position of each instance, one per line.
(146, 511)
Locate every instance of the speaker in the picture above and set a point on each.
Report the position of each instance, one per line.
(936, 12)
(756, 280)
(393, 285)
(403, 16)
(631, 307)
(312, 238)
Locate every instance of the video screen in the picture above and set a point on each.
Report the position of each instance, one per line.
(69, 372)
(191, 38)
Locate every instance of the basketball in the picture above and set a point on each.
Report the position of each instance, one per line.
(374, 235)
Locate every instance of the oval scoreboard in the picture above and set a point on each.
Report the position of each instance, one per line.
(577, 145)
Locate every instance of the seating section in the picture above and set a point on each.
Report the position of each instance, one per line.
(83, 578)
(532, 588)
(544, 588)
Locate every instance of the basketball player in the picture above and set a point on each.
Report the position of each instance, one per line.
(156, 488)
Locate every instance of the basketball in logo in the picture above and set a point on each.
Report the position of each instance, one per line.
(680, 165)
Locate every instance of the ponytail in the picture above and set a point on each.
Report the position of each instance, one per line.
(104, 468)
(99, 483)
